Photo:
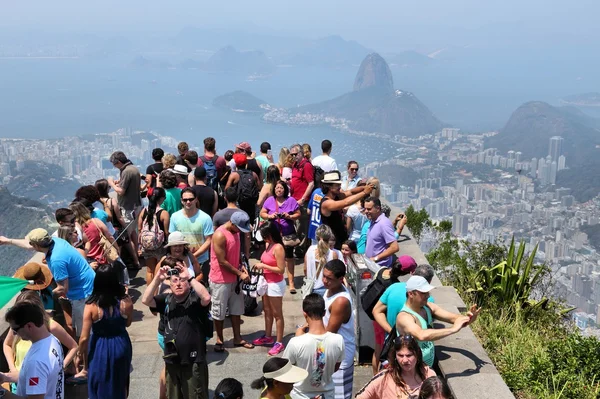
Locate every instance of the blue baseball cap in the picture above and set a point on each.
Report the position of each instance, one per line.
(241, 220)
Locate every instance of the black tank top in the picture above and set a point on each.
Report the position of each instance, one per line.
(254, 166)
(206, 197)
(335, 221)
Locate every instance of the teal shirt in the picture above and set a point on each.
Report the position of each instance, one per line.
(427, 347)
(394, 298)
(172, 202)
(361, 245)
(264, 164)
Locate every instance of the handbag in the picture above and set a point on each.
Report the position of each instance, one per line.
(290, 240)
(388, 344)
(257, 286)
(108, 250)
(309, 283)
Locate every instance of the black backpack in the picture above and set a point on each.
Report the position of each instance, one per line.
(373, 292)
(210, 165)
(247, 188)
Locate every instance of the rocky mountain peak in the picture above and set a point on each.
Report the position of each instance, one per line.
(374, 72)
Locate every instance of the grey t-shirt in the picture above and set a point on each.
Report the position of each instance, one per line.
(130, 182)
(223, 216)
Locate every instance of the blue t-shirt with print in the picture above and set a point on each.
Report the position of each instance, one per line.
(314, 205)
(195, 229)
(65, 262)
(394, 298)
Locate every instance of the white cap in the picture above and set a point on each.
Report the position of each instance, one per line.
(418, 283)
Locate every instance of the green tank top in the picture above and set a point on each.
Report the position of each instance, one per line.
(427, 347)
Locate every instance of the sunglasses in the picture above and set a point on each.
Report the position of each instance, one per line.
(354, 169)
(406, 337)
(293, 153)
(15, 330)
(188, 199)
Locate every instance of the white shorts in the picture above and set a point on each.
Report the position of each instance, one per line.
(276, 289)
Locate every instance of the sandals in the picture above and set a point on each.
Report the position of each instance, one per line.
(245, 344)
(219, 348)
(292, 291)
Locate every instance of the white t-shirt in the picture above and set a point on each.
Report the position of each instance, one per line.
(317, 354)
(42, 370)
(325, 162)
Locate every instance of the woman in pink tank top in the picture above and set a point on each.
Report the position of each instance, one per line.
(272, 263)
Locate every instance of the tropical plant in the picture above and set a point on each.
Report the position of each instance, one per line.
(416, 221)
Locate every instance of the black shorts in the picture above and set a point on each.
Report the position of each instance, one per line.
(289, 252)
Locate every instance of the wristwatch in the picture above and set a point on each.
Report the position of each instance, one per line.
(190, 279)
(376, 259)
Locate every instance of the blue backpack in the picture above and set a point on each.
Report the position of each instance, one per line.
(210, 165)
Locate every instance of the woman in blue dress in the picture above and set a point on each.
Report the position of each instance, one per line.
(108, 311)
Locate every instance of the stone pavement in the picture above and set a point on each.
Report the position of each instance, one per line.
(242, 364)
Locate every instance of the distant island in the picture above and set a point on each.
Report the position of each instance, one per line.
(372, 108)
(240, 101)
(583, 100)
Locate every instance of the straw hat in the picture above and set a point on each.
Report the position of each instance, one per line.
(37, 274)
(176, 238)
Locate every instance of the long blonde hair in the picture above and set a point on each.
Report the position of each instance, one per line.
(324, 234)
(82, 213)
(376, 186)
(283, 155)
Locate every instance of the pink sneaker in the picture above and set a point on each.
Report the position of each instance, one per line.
(263, 341)
(276, 349)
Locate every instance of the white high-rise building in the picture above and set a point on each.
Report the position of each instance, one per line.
(562, 162)
(555, 147)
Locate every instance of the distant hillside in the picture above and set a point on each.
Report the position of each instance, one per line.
(143, 62)
(239, 101)
(228, 59)
(585, 99)
(374, 105)
(19, 216)
(396, 174)
(530, 127)
(44, 182)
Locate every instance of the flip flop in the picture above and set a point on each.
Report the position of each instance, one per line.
(219, 348)
(244, 344)
(292, 291)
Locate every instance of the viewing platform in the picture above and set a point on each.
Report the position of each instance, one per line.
(462, 360)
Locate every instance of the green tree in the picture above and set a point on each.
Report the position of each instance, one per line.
(416, 221)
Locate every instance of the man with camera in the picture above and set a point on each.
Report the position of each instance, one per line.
(184, 313)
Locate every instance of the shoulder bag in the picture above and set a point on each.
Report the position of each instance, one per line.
(108, 249)
(290, 240)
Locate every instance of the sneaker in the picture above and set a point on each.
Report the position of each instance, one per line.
(276, 349)
(263, 341)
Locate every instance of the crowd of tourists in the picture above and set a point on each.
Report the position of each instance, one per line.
(214, 233)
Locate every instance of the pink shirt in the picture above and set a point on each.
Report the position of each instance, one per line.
(382, 386)
(217, 273)
(268, 258)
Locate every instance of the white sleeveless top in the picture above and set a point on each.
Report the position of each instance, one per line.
(311, 265)
(346, 330)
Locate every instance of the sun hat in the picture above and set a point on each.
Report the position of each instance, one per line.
(38, 236)
(176, 238)
(244, 146)
(241, 220)
(407, 264)
(180, 169)
(38, 275)
(418, 283)
(288, 374)
(332, 178)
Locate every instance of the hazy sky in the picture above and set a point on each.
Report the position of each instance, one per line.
(401, 24)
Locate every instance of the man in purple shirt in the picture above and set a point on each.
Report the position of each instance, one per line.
(381, 241)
